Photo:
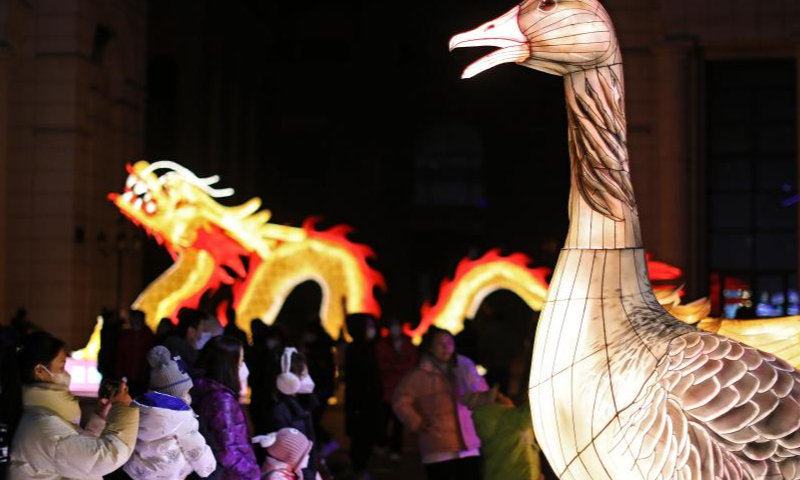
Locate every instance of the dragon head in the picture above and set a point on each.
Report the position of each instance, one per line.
(173, 206)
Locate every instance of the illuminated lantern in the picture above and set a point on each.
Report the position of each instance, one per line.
(475, 280)
(261, 262)
(619, 388)
(459, 299)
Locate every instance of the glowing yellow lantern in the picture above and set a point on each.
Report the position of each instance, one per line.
(261, 262)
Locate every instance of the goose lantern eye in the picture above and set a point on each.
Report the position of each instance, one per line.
(548, 5)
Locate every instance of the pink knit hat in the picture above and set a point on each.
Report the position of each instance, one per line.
(287, 445)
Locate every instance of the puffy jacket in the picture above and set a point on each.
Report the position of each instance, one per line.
(169, 445)
(362, 393)
(510, 451)
(428, 397)
(223, 424)
(49, 444)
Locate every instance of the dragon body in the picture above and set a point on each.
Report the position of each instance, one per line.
(460, 297)
(237, 248)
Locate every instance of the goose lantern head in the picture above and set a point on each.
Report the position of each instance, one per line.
(553, 36)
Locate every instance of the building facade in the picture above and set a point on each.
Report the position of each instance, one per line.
(712, 120)
(72, 106)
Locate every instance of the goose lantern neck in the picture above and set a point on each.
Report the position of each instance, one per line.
(619, 388)
(575, 39)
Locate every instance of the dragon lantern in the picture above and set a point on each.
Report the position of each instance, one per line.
(261, 262)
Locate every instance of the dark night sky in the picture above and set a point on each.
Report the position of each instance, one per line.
(347, 110)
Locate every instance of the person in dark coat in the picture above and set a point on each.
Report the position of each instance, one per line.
(195, 329)
(396, 357)
(135, 340)
(318, 348)
(109, 344)
(292, 403)
(363, 396)
(262, 361)
(215, 399)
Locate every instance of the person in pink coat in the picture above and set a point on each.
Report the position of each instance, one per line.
(427, 401)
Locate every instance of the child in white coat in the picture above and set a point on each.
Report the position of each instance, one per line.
(168, 446)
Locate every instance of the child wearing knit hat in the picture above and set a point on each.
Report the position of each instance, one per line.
(288, 452)
(168, 445)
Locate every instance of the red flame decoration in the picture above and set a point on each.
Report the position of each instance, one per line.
(372, 279)
(662, 275)
(659, 272)
(429, 313)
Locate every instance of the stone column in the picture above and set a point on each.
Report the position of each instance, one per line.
(4, 94)
(680, 237)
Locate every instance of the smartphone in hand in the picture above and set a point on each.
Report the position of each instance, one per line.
(109, 388)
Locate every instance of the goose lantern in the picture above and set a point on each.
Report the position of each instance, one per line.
(620, 389)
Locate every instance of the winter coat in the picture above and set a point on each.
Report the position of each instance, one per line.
(223, 424)
(394, 363)
(362, 394)
(289, 413)
(49, 444)
(509, 449)
(427, 397)
(169, 446)
(132, 360)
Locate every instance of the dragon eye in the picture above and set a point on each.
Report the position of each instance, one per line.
(547, 5)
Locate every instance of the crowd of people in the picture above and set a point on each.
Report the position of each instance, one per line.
(180, 409)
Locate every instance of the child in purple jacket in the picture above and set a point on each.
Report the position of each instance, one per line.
(215, 398)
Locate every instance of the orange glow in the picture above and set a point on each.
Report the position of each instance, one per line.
(368, 279)
(474, 280)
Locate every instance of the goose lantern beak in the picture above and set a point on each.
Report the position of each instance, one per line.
(503, 32)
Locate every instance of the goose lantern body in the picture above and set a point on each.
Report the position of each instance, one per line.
(620, 389)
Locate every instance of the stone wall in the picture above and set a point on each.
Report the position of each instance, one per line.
(72, 103)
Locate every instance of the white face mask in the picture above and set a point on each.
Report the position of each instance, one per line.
(202, 339)
(306, 384)
(370, 333)
(61, 378)
(244, 372)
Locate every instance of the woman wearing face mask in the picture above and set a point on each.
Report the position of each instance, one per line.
(49, 444)
(291, 404)
(215, 398)
(427, 401)
(362, 401)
